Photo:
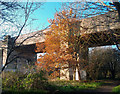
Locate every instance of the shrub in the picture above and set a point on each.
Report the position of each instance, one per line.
(35, 81)
(116, 89)
(17, 80)
(12, 79)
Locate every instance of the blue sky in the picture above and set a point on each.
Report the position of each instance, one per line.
(46, 12)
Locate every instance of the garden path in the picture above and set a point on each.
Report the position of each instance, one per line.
(106, 88)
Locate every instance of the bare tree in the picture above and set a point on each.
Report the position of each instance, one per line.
(104, 62)
(8, 15)
(7, 11)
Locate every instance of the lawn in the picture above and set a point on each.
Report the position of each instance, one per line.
(71, 86)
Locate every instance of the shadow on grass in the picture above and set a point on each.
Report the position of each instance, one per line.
(84, 91)
(24, 92)
(56, 92)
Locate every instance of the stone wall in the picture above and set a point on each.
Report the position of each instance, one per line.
(65, 72)
(21, 57)
(26, 58)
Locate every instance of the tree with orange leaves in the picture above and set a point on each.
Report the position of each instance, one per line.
(62, 43)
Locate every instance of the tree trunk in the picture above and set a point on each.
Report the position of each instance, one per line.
(74, 72)
(79, 75)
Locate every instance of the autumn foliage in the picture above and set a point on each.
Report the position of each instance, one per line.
(62, 42)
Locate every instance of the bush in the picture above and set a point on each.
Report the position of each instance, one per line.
(116, 89)
(12, 79)
(35, 81)
(17, 80)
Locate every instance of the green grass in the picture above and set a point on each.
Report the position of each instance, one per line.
(58, 87)
(71, 86)
(116, 89)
